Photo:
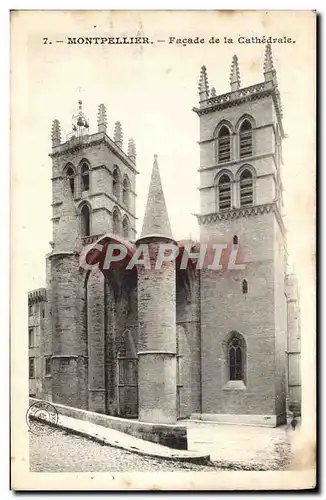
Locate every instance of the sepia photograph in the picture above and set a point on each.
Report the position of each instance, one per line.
(163, 250)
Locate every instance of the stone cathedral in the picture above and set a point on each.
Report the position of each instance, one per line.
(170, 343)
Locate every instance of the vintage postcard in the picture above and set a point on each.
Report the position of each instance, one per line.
(163, 250)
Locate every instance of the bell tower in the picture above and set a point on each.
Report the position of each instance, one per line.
(93, 193)
(101, 176)
(243, 310)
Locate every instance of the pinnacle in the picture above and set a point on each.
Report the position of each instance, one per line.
(203, 81)
(156, 220)
(118, 135)
(235, 74)
(268, 61)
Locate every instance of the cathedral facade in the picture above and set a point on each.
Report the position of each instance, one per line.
(172, 343)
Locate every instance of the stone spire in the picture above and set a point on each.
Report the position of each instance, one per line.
(269, 71)
(68, 229)
(118, 136)
(235, 74)
(132, 150)
(203, 87)
(101, 118)
(56, 133)
(156, 220)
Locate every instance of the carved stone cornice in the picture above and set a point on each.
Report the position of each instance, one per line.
(243, 212)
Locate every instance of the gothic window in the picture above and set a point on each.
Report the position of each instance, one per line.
(85, 177)
(235, 240)
(31, 368)
(125, 227)
(236, 357)
(116, 222)
(224, 192)
(245, 286)
(71, 177)
(246, 189)
(85, 221)
(125, 191)
(224, 144)
(116, 183)
(245, 139)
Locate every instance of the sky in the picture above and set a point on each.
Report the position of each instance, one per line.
(151, 90)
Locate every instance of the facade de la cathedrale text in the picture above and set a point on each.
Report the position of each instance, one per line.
(167, 344)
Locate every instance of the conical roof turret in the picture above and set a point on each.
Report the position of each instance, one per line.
(156, 220)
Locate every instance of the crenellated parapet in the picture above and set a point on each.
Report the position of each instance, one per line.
(36, 296)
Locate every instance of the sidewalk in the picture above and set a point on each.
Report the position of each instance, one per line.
(111, 437)
(243, 447)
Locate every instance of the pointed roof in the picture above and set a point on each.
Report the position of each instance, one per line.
(156, 220)
(68, 229)
(235, 74)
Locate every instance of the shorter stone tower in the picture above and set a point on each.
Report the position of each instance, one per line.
(156, 313)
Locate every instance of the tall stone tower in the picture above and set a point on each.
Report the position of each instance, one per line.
(156, 314)
(93, 182)
(243, 310)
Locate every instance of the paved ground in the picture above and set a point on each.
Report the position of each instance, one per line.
(252, 448)
(231, 447)
(62, 452)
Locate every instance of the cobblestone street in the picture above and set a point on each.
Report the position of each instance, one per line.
(231, 448)
(63, 452)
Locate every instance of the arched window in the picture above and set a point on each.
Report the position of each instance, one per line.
(224, 144)
(125, 227)
(235, 240)
(85, 177)
(125, 191)
(85, 221)
(245, 139)
(246, 189)
(116, 222)
(236, 357)
(245, 286)
(71, 177)
(224, 192)
(116, 183)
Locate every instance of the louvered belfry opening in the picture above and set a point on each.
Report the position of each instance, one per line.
(245, 139)
(246, 189)
(224, 144)
(224, 193)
